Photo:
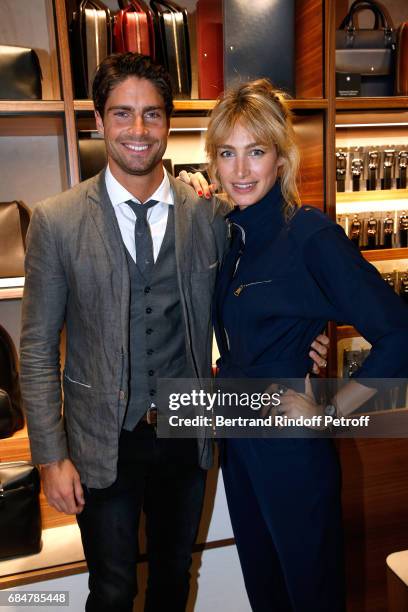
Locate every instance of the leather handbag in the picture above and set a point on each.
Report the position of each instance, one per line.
(173, 27)
(20, 517)
(92, 156)
(365, 58)
(11, 411)
(134, 29)
(20, 74)
(401, 83)
(14, 220)
(210, 49)
(91, 42)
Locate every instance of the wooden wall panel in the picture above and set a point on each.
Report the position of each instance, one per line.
(309, 49)
(375, 506)
(309, 133)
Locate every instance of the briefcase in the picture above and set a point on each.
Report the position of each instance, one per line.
(14, 220)
(20, 74)
(91, 42)
(173, 26)
(92, 156)
(134, 29)
(401, 88)
(20, 517)
(365, 58)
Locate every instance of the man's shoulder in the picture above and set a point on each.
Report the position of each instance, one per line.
(68, 202)
(202, 210)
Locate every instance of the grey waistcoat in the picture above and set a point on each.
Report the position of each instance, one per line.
(157, 338)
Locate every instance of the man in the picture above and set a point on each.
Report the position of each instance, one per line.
(127, 261)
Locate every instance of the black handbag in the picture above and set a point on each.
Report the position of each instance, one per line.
(365, 58)
(11, 412)
(20, 74)
(92, 156)
(20, 516)
(91, 42)
(173, 27)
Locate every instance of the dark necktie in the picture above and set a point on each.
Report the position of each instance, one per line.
(143, 236)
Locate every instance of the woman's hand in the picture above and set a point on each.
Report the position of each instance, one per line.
(294, 405)
(197, 181)
(320, 348)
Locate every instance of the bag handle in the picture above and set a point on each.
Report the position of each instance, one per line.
(358, 5)
(128, 6)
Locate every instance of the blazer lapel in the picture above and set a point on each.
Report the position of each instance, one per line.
(107, 226)
(104, 217)
(183, 222)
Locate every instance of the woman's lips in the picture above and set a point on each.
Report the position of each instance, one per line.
(243, 187)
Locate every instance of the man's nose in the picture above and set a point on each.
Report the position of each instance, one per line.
(138, 126)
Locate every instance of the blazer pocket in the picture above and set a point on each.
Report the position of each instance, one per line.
(76, 382)
(213, 265)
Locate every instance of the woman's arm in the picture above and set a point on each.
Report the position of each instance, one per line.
(361, 298)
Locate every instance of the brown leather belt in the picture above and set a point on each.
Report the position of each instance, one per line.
(150, 417)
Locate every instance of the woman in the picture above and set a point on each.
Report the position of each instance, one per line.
(289, 270)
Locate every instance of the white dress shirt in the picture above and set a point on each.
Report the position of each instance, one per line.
(156, 215)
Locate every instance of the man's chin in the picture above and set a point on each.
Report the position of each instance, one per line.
(140, 171)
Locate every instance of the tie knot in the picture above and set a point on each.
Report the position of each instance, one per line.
(140, 210)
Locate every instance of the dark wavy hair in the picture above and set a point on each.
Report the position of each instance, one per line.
(117, 67)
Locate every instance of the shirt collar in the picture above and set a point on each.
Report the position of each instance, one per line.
(118, 194)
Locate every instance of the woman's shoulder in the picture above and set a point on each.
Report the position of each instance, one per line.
(308, 221)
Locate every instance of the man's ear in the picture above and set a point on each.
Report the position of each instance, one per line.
(99, 123)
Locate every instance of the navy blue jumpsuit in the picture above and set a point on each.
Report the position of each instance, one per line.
(284, 494)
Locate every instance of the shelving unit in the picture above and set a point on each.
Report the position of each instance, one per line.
(50, 127)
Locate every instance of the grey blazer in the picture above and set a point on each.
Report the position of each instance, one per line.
(76, 274)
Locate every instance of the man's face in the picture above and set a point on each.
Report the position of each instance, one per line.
(135, 127)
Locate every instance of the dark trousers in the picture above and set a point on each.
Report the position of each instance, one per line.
(284, 501)
(163, 478)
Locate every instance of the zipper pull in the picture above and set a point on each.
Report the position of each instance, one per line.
(238, 290)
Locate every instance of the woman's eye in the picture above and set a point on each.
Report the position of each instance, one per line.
(257, 152)
(225, 153)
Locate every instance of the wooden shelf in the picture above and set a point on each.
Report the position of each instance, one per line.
(11, 293)
(19, 107)
(372, 196)
(207, 105)
(386, 254)
(369, 103)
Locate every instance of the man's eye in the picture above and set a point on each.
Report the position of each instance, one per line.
(121, 114)
(153, 115)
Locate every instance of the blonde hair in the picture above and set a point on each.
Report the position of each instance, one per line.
(262, 110)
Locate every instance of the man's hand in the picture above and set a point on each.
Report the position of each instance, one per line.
(197, 181)
(62, 486)
(320, 346)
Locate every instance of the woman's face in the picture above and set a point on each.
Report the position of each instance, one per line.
(247, 169)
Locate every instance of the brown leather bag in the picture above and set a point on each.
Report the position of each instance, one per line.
(14, 220)
(401, 86)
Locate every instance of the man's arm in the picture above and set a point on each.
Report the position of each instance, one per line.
(43, 313)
